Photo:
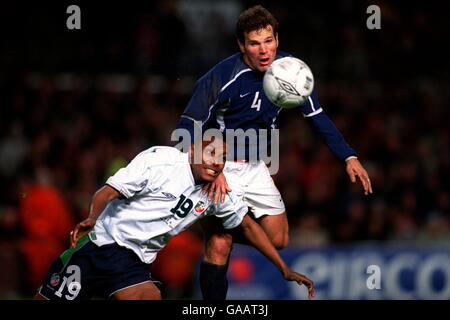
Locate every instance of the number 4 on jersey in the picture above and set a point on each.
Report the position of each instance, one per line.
(256, 102)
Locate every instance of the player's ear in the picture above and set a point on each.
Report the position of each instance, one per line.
(276, 39)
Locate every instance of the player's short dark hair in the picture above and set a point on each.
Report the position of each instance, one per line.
(254, 18)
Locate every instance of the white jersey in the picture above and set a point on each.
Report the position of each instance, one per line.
(160, 199)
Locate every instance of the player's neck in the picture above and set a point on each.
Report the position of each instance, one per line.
(244, 59)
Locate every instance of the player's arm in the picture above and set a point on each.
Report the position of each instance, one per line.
(202, 105)
(335, 141)
(258, 238)
(126, 182)
(98, 203)
(233, 213)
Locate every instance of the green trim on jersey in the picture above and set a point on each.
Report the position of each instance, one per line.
(92, 235)
(66, 255)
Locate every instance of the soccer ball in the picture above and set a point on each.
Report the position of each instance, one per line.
(288, 82)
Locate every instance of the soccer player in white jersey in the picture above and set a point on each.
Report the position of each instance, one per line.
(156, 196)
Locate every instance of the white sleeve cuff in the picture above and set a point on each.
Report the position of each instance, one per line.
(123, 191)
(351, 157)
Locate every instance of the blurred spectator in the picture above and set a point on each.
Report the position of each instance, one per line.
(307, 231)
(46, 221)
(437, 230)
(13, 148)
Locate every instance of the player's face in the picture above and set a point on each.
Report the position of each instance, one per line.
(212, 161)
(259, 48)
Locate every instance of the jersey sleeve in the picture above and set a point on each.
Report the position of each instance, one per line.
(325, 128)
(134, 177)
(200, 107)
(232, 211)
(312, 106)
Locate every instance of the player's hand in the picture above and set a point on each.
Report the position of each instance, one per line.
(217, 189)
(80, 230)
(291, 275)
(355, 169)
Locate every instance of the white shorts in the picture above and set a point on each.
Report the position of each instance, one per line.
(253, 182)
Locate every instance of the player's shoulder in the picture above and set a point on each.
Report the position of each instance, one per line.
(163, 155)
(229, 67)
(282, 54)
(232, 62)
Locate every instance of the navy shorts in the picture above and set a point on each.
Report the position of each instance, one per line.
(88, 271)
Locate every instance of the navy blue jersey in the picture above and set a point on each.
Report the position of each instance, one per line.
(231, 96)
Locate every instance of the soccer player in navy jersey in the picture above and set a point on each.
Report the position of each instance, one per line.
(230, 96)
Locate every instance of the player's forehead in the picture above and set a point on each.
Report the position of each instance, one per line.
(216, 148)
(259, 34)
(216, 145)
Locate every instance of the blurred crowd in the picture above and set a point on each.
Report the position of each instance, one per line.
(72, 114)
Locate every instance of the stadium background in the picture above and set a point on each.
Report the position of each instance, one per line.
(77, 104)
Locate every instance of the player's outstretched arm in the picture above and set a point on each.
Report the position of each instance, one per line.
(99, 201)
(258, 238)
